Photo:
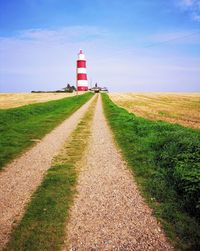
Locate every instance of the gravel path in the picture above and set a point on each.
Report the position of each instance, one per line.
(21, 177)
(109, 212)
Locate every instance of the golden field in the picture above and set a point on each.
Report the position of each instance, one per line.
(181, 108)
(10, 100)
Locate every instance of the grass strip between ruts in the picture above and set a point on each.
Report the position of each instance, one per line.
(165, 161)
(44, 222)
(21, 126)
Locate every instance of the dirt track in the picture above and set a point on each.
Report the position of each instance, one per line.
(21, 177)
(108, 212)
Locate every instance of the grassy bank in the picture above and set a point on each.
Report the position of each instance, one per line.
(165, 162)
(19, 127)
(43, 225)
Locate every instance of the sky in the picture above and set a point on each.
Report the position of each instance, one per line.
(130, 45)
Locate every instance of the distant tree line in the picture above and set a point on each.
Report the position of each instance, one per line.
(68, 89)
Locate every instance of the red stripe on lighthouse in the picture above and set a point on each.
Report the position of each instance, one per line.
(81, 64)
(82, 76)
(82, 88)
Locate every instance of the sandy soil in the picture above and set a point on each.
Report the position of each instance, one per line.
(109, 212)
(10, 100)
(181, 108)
(21, 177)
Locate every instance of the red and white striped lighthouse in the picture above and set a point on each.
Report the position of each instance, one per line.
(82, 83)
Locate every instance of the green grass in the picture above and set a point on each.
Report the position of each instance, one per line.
(20, 126)
(43, 225)
(165, 159)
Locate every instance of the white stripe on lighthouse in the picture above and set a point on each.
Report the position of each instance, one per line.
(81, 70)
(82, 83)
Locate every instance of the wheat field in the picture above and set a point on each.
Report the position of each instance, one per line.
(181, 108)
(11, 100)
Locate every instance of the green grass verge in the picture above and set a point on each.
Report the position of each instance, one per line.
(20, 126)
(165, 161)
(43, 225)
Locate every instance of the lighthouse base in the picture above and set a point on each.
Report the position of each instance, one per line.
(82, 88)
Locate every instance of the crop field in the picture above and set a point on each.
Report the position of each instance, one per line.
(11, 100)
(181, 108)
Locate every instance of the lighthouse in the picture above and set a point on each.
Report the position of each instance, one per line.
(82, 83)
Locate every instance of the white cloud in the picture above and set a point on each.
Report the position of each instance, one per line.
(45, 60)
(191, 6)
(190, 3)
(196, 17)
(187, 2)
(64, 34)
(176, 37)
